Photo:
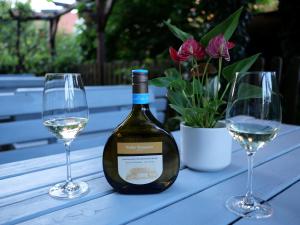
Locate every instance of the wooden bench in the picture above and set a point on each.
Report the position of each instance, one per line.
(23, 135)
(160, 102)
(12, 82)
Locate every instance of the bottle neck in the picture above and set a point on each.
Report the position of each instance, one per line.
(140, 100)
(140, 95)
(140, 107)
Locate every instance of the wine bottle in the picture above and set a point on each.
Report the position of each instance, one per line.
(140, 156)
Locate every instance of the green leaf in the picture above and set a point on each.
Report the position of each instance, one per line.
(177, 32)
(239, 66)
(176, 98)
(178, 84)
(198, 86)
(227, 27)
(178, 109)
(194, 116)
(161, 81)
(172, 72)
(188, 89)
(213, 87)
(171, 75)
(247, 91)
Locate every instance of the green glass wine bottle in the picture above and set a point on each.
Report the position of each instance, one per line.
(140, 156)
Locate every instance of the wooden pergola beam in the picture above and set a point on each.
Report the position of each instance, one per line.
(41, 16)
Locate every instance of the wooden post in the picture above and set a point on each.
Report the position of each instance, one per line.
(20, 66)
(52, 34)
(104, 8)
(100, 42)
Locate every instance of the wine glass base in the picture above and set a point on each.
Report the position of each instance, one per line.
(256, 210)
(69, 190)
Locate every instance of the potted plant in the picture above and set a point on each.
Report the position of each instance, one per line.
(198, 95)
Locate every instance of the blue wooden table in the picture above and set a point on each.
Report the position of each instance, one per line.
(196, 198)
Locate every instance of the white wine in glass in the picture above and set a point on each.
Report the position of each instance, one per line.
(253, 117)
(66, 128)
(65, 114)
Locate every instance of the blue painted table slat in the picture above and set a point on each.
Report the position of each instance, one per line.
(195, 198)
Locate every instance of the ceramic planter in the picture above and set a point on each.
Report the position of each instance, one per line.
(205, 149)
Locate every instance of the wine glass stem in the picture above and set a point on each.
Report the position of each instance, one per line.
(68, 162)
(249, 200)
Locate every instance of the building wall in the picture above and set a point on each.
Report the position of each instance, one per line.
(67, 23)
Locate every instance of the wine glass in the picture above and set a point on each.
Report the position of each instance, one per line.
(65, 114)
(253, 117)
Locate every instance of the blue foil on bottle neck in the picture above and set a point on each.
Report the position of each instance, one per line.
(140, 98)
(139, 71)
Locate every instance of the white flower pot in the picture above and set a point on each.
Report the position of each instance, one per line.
(205, 149)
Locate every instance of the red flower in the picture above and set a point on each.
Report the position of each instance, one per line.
(218, 47)
(176, 57)
(190, 48)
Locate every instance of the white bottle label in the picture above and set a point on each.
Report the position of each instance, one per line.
(141, 162)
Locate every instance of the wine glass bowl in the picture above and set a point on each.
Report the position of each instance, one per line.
(65, 114)
(253, 118)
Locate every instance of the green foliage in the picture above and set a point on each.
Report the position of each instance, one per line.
(199, 100)
(68, 53)
(239, 66)
(87, 31)
(24, 9)
(135, 29)
(261, 6)
(171, 75)
(139, 32)
(210, 13)
(7, 60)
(34, 47)
(4, 9)
(88, 42)
(190, 99)
(177, 32)
(227, 28)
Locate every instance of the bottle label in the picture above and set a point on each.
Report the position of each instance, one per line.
(140, 98)
(140, 162)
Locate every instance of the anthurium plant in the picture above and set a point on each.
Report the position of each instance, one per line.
(198, 94)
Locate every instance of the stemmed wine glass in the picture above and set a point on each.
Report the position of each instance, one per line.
(65, 114)
(253, 117)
